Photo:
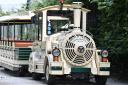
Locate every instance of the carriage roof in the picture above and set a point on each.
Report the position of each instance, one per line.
(16, 18)
(57, 7)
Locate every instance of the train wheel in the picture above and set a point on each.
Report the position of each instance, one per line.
(19, 73)
(36, 76)
(6, 69)
(100, 80)
(48, 78)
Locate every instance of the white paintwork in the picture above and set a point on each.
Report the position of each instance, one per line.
(36, 59)
(104, 64)
(7, 60)
(77, 16)
(84, 21)
(104, 73)
(59, 72)
(17, 17)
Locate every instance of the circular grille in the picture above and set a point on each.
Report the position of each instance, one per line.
(78, 49)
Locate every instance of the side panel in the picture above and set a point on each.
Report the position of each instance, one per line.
(36, 63)
(14, 56)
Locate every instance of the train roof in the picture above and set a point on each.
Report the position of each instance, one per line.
(16, 17)
(57, 7)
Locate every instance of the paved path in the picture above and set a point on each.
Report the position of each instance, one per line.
(7, 78)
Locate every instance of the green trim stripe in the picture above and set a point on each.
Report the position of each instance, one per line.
(104, 68)
(23, 53)
(80, 70)
(56, 68)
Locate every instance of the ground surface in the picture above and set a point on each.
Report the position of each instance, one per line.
(8, 78)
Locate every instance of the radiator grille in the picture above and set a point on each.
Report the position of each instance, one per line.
(78, 49)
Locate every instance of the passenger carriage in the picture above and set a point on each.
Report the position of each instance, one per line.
(16, 36)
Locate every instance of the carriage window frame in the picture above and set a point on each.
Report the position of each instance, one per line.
(0, 31)
(40, 25)
(37, 20)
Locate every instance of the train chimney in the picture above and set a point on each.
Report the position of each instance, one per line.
(77, 14)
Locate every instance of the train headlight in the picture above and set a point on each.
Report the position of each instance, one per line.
(104, 53)
(56, 52)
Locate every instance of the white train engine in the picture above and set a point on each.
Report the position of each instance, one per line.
(70, 52)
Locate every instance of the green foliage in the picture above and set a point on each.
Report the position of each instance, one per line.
(2, 13)
(43, 3)
(113, 33)
(114, 26)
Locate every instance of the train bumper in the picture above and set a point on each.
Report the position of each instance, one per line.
(104, 68)
(56, 68)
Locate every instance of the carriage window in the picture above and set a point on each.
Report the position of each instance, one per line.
(11, 32)
(2, 32)
(17, 32)
(24, 32)
(26, 35)
(5, 33)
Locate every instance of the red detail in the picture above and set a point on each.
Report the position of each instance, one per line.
(104, 59)
(23, 44)
(55, 58)
(61, 1)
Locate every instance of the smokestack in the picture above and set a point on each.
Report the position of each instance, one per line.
(77, 14)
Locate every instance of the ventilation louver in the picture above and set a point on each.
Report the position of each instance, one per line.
(78, 49)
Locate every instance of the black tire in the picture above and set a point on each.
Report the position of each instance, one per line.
(48, 78)
(6, 69)
(19, 74)
(22, 71)
(36, 76)
(100, 80)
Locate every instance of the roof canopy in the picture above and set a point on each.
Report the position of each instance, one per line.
(57, 7)
(16, 18)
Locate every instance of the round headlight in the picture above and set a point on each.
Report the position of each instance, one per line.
(56, 52)
(104, 53)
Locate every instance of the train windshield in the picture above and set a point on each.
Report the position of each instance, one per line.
(58, 20)
(56, 25)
